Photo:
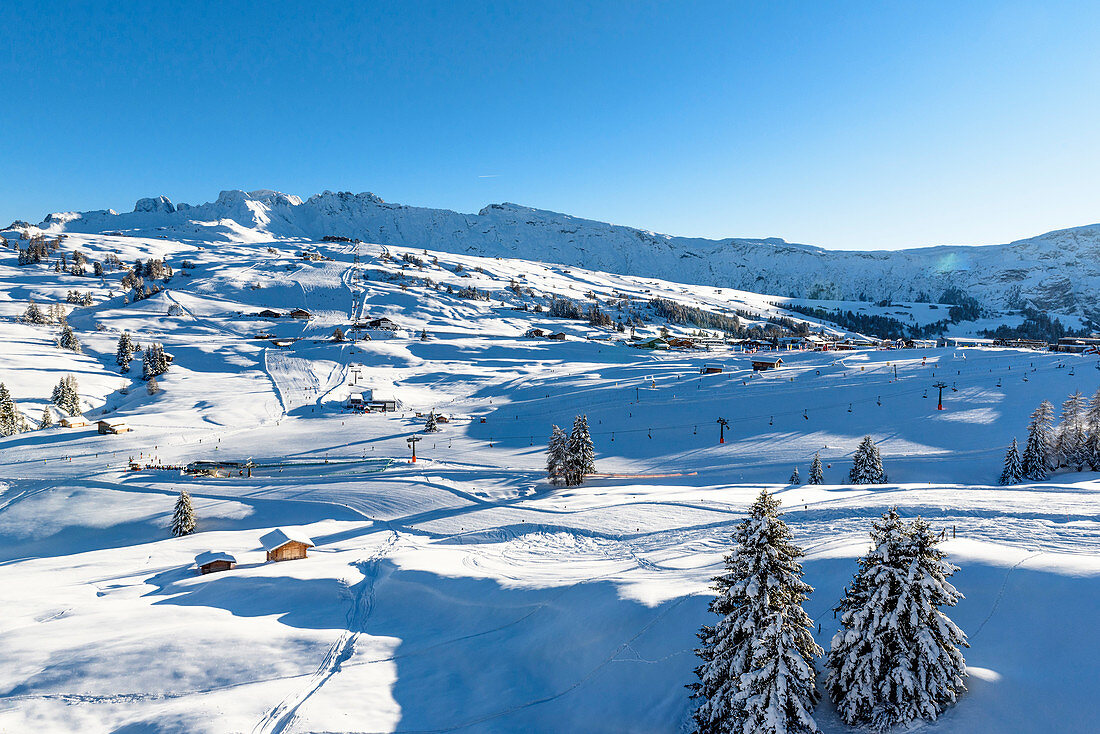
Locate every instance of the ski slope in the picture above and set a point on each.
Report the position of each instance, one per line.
(463, 592)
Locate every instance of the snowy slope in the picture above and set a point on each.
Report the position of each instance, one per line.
(1057, 271)
(463, 592)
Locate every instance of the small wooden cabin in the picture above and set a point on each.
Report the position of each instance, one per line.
(113, 427)
(73, 421)
(710, 369)
(283, 546)
(300, 313)
(761, 365)
(267, 313)
(214, 561)
(535, 333)
(558, 336)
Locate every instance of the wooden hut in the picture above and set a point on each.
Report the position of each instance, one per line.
(73, 421)
(762, 365)
(710, 368)
(214, 561)
(267, 313)
(300, 313)
(113, 427)
(283, 546)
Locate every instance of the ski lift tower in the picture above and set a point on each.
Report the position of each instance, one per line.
(940, 385)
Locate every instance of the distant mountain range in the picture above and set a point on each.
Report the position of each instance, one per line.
(1058, 271)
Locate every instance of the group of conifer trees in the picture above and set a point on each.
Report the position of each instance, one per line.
(1073, 443)
(896, 658)
(866, 466)
(65, 397)
(570, 457)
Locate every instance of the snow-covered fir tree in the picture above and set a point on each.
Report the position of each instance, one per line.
(795, 478)
(183, 518)
(430, 425)
(1070, 440)
(757, 674)
(1092, 431)
(154, 362)
(124, 352)
(897, 657)
(68, 340)
(33, 314)
(557, 455)
(581, 456)
(11, 420)
(867, 464)
(47, 418)
(66, 395)
(1036, 461)
(152, 387)
(816, 475)
(1013, 472)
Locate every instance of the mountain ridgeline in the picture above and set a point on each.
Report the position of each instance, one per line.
(1057, 272)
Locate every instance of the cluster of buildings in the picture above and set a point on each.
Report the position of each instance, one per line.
(279, 545)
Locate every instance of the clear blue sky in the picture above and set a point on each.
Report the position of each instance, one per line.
(855, 125)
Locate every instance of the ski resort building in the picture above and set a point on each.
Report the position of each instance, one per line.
(113, 427)
(221, 468)
(214, 561)
(267, 313)
(285, 546)
(73, 421)
(300, 313)
(710, 369)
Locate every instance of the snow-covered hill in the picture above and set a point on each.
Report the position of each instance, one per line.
(464, 592)
(1058, 271)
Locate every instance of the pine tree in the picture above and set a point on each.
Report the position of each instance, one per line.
(11, 420)
(816, 475)
(154, 362)
(1070, 442)
(33, 314)
(66, 395)
(1092, 427)
(1036, 462)
(183, 518)
(124, 352)
(758, 673)
(423, 335)
(47, 418)
(430, 425)
(152, 387)
(795, 479)
(557, 455)
(867, 464)
(1013, 472)
(581, 453)
(896, 656)
(68, 340)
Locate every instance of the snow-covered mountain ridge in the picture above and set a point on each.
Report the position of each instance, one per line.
(1058, 271)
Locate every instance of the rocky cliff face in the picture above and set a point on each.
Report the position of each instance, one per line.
(1057, 271)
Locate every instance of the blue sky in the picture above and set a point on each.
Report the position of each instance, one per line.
(847, 125)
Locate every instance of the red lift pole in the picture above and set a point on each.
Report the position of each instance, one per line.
(723, 424)
(941, 386)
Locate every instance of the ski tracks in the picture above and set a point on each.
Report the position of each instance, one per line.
(280, 719)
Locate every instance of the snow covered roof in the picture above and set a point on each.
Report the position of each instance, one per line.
(210, 556)
(278, 537)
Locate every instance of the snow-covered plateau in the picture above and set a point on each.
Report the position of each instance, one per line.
(464, 592)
